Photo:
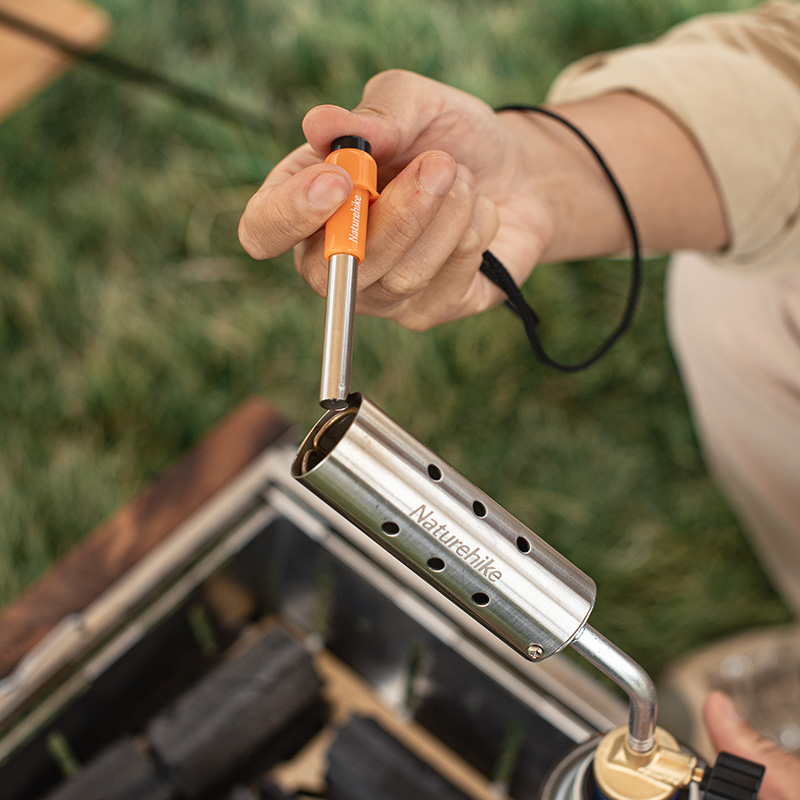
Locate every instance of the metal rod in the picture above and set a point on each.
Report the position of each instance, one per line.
(337, 346)
(628, 675)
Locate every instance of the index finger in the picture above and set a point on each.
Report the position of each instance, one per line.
(296, 199)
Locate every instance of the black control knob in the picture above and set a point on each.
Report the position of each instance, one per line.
(732, 778)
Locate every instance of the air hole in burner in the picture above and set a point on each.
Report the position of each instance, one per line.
(434, 473)
(480, 599)
(479, 509)
(390, 528)
(523, 545)
(436, 564)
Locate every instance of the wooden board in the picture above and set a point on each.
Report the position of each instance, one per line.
(116, 545)
(27, 65)
(347, 694)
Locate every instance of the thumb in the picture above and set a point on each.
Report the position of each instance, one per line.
(730, 732)
(397, 115)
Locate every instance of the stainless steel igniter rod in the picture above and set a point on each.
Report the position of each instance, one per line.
(337, 345)
(345, 245)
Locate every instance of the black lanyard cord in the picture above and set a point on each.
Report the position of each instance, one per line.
(494, 270)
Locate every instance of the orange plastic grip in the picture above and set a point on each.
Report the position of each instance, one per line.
(346, 230)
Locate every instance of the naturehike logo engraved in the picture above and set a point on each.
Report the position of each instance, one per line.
(483, 565)
(355, 223)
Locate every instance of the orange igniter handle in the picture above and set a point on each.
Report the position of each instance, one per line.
(346, 230)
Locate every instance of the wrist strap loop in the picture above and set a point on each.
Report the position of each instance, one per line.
(494, 270)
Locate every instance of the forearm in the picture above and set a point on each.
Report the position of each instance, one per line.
(659, 167)
(733, 82)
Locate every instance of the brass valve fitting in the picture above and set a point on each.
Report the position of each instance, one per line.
(624, 775)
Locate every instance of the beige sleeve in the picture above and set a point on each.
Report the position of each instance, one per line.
(733, 80)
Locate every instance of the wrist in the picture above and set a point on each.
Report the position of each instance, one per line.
(564, 188)
(655, 160)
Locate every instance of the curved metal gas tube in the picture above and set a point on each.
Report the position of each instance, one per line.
(628, 675)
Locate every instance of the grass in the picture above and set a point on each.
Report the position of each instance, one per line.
(131, 321)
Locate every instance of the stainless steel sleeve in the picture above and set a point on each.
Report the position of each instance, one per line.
(424, 512)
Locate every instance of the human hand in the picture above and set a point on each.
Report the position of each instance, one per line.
(733, 734)
(449, 170)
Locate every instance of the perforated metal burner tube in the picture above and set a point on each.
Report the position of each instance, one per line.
(456, 537)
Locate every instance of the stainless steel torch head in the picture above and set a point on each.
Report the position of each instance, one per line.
(420, 509)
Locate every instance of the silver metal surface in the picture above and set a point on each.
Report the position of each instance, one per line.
(337, 346)
(626, 673)
(566, 780)
(450, 533)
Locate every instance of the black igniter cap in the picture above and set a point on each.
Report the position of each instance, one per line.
(351, 143)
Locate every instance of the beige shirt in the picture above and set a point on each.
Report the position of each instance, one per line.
(733, 80)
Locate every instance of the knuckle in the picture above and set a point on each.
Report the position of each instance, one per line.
(400, 284)
(264, 225)
(469, 245)
(284, 218)
(402, 230)
(384, 79)
(435, 308)
(420, 317)
(313, 270)
(416, 323)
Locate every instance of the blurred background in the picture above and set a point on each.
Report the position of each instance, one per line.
(131, 320)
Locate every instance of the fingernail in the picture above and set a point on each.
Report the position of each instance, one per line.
(436, 175)
(328, 191)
